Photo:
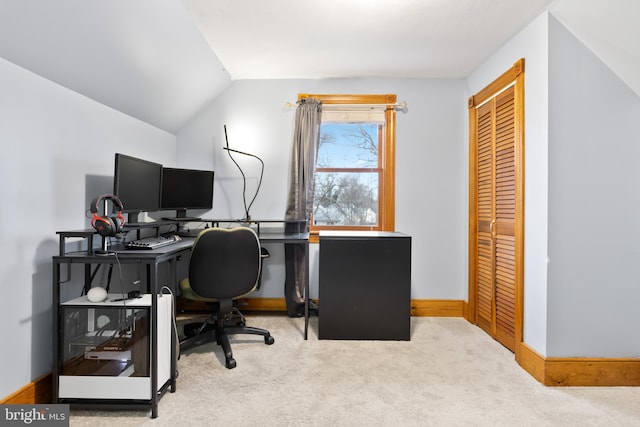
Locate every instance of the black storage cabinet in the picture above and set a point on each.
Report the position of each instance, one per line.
(365, 286)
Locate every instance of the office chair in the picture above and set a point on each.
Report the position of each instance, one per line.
(225, 265)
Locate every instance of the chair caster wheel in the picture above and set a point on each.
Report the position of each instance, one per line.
(269, 340)
(230, 363)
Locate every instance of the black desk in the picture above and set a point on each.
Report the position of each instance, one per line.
(152, 260)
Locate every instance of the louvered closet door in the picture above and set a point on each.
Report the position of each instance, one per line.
(486, 203)
(495, 311)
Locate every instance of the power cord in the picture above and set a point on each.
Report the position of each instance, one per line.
(247, 215)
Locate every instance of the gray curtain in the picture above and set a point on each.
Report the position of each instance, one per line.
(306, 140)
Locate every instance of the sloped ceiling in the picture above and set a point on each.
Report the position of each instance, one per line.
(144, 58)
(162, 61)
(610, 29)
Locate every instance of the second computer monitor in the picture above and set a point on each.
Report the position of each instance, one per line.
(184, 189)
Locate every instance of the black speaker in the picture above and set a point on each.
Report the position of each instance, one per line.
(107, 225)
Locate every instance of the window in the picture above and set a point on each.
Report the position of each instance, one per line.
(355, 168)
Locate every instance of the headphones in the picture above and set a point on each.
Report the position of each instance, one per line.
(107, 226)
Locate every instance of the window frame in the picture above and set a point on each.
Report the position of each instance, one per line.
(386, 159)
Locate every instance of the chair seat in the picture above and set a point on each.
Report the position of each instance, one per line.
(187, 292)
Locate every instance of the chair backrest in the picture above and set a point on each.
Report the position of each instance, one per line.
(225, 262)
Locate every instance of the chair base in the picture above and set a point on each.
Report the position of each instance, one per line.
(220, 329)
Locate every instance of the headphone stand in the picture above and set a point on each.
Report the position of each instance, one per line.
(104, 250)
(111, 220)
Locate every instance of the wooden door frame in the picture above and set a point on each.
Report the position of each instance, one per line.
(513, 76)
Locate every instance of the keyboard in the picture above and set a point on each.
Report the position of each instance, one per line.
(152, 242)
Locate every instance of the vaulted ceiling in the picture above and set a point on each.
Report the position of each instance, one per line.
(162, 61)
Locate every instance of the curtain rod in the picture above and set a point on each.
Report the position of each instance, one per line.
(400, 106)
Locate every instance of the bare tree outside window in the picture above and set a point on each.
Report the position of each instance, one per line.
(347, 175)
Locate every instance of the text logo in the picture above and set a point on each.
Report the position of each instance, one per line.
(34, 415)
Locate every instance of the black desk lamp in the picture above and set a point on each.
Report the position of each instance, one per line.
(247, 217)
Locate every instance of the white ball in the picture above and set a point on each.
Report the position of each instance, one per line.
(97, 294)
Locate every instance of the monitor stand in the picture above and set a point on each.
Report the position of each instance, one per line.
(134, 220)
(133, 217)
(181, 215)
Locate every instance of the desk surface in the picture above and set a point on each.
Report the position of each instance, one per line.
(182, 245)
(356, 234)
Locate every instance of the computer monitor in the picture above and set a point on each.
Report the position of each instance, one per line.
(137, 183)
(184, 189)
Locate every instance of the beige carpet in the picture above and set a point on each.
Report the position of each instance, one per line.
(449, 374)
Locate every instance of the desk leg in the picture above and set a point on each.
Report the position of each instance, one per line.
(306, 290)
(56, 333)
(173, 273)
(152, 275)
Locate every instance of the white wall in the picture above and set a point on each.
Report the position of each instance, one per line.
(594, 205)
(57, 155)
(532, 45)
(431, 175)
